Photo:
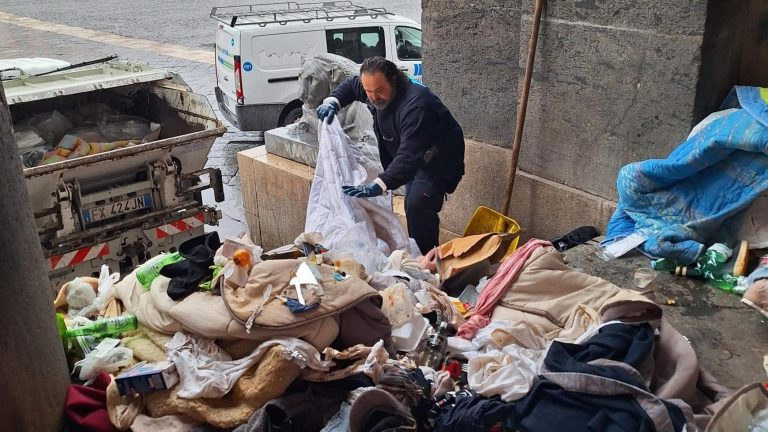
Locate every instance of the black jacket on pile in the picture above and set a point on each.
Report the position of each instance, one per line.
(415, 132)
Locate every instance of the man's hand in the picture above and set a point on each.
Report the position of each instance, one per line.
(363, 191)
(327, 111)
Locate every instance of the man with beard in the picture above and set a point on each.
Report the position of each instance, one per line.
(420, 143)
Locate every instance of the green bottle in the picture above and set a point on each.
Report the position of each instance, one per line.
(105, 327)
(710, 265)
(150, 270)
(663, 264)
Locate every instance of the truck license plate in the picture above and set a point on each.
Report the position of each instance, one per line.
(118, 208)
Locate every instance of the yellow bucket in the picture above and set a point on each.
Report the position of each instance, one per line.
(486, 220)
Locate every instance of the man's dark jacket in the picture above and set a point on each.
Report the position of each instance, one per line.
(415, 132)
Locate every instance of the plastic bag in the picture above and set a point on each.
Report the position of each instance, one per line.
(32, 157)
(398, 305)
(107, 357)
(129, 128)
(51, 126)
(759, 422)
(107, 283)
(27, 138)
(80, 297)
(353, 225)
(427, 302)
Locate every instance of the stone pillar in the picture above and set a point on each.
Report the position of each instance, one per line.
(32, 363)
(614, 82)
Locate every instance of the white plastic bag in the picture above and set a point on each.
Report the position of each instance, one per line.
(354, 225)
(80, 298)
(107, 357)
(107, 283)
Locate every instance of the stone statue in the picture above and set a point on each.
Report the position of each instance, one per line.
(319, 76)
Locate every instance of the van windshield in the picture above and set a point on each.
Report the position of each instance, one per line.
(408, 40)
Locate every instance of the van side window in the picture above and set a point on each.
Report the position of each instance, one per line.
(408, 42)
(357, 43)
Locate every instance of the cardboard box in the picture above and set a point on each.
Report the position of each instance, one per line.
(147, 378)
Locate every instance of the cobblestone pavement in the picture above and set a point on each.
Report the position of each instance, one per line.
(143, 23)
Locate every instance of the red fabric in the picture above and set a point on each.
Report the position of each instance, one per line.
(86, 406)
(497, 286)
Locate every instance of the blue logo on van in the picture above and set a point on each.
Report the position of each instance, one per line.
(232, 41)
(247, 66)
(418, 69)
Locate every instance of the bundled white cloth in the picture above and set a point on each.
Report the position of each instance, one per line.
(206, 371)
(365, 227)
(509, 373)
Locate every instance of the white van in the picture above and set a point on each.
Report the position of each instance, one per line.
(260, 49)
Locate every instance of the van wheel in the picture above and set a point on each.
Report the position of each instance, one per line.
(292, 116)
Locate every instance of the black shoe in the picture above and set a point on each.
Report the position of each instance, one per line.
(574, 238)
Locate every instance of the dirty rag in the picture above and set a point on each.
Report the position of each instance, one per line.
(206, 371)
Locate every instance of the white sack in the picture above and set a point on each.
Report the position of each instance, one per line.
(354, 225)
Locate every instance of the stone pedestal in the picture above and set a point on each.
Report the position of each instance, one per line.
(299, 147)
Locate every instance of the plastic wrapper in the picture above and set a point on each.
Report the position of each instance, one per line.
(426, 301)
(760, 422)
(27, 138)
(33, 156)
(106, 357)
(128, 128)
(50, 126)
(80, 297)
(107, 283)
(398, 304)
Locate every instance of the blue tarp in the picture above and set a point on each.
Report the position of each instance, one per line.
(695, 196)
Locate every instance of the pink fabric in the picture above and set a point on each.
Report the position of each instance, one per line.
(497, 286)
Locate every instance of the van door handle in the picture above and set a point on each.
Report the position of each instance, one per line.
(403, 68)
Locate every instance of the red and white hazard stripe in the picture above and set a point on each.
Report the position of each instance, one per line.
(71, 259)
(180, 225)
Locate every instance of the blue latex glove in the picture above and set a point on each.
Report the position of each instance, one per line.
(327, 111)
(363, 191)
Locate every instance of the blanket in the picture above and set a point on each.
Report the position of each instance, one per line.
(366, 228)
(695, 196)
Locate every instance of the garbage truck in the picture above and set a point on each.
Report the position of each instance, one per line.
(114, 155)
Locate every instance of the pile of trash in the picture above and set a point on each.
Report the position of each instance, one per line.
(303, 338)
(340, 333)
(94, 128)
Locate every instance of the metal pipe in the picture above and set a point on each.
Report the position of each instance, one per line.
(523, 106)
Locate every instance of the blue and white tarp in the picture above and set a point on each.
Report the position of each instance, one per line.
(695, 196)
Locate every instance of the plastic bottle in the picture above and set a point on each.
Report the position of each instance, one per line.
(663, 264)
(710, 268)
(436, 347)
(105, 327)
(150, 270)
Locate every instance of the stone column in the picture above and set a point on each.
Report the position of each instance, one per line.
(32, 363)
